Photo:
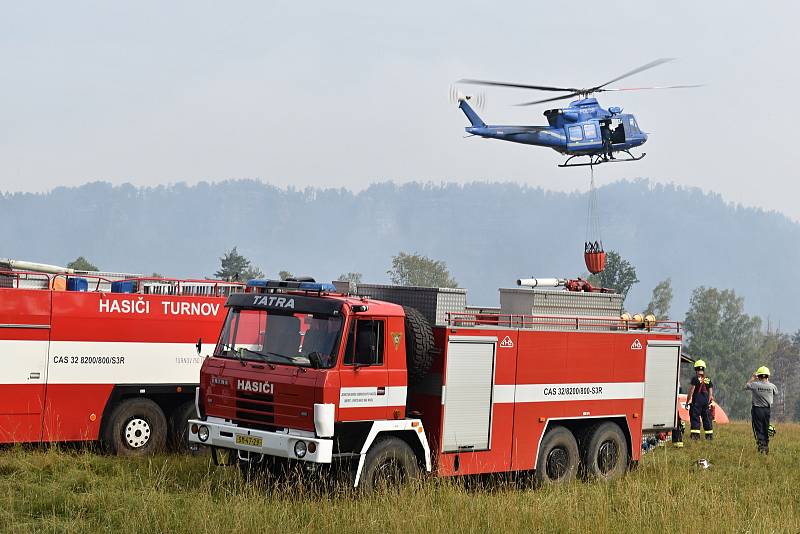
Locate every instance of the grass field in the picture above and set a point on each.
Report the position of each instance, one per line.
(63, 490)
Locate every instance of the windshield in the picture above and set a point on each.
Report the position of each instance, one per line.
(302, 339)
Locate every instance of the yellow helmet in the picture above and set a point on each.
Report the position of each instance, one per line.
(763, 370)
(699, 363)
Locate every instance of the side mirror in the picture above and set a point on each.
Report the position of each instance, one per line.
(199, 345)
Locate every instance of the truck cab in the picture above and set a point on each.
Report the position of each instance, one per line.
(298, 370)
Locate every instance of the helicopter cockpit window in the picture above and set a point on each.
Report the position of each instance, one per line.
(575, 133)
(589, 131)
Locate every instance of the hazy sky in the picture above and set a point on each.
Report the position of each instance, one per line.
(348, 93)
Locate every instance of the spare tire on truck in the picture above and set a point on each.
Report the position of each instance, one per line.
(419, 345)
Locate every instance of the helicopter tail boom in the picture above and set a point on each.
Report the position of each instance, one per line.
(473, 117)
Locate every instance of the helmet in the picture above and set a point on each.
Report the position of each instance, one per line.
(771, 431)
(699, 364)
(763, 370)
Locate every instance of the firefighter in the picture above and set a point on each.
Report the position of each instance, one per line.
(699, 399)
(763, 392)
(677, 433)
(605, 133)
(679, 430)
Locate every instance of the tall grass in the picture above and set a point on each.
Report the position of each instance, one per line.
(65, 490)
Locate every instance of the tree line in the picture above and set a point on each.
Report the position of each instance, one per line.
(716, 327)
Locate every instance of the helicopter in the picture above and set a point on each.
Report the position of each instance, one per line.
(582, 129)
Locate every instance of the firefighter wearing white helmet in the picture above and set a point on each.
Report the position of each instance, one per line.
(699, 399)
(763, 392)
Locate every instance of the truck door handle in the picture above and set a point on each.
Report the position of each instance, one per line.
(34, 376)
(381, 391)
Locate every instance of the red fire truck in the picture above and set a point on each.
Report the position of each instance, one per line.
(102, 356)
(397, 380)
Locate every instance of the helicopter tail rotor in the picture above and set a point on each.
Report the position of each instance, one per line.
(476, 100)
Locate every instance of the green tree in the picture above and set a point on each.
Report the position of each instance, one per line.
(285, 275)
(236, 268)
(619, 274)
(661, 300)
(355, 278)
(82, 264)
(729, 340)
(418, 270)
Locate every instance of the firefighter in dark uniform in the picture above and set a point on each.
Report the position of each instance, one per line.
(605, 133)
(763, 394)
(699, 399)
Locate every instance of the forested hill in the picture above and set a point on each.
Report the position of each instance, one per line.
(488, 233)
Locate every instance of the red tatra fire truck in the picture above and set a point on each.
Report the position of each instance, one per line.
(101, 356)
(397, 380)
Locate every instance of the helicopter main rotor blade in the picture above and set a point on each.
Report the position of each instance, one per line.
(648, 88)
(637, 70)
(562, 97)
(517, 85)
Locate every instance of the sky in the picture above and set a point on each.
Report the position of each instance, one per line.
(334, 94)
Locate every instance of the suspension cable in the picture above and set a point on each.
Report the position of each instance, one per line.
(593, 235)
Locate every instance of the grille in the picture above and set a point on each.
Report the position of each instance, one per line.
(434, 303)
(255, 410)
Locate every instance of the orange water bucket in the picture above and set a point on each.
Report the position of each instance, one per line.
(595, 261)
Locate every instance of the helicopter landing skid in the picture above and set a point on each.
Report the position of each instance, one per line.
(597, 160)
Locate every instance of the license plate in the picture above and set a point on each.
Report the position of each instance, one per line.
(253, 441)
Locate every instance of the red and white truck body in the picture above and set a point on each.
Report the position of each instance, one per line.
(503, 391)
(70, 359)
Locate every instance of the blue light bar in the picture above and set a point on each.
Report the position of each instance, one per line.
(317, 286)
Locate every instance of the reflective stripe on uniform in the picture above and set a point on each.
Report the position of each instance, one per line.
(695, 431)
(708, 431)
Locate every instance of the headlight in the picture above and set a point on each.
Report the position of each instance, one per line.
(300, 449)
(202, 433)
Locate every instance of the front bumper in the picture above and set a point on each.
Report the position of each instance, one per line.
(222, 433)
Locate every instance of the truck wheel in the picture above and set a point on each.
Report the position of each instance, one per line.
(179, 426)
(136, 427)
(389, 463)
(605, 452)
(419, 345)
(558, 457)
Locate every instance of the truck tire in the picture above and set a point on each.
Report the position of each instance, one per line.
(179, 426)
(558, 458)
(136, 427)
(604, 452)
(389, 463)
(419, 345)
